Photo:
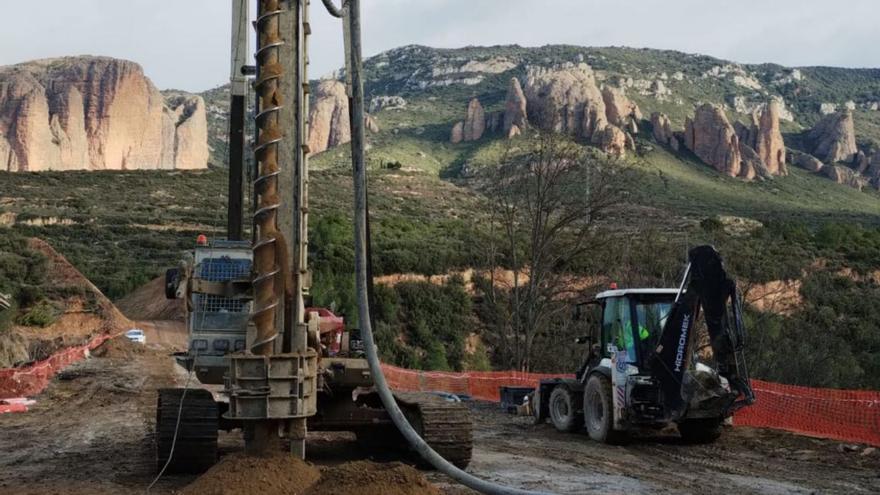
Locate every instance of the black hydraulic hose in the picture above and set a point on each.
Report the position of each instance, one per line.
(332, 9)
(360, 241)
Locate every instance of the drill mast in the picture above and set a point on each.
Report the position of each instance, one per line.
(272, 389)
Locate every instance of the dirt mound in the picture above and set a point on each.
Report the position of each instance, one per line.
(288, 475)
(118, 348)
(83, 313)
(63, 274)
(235, 474)
(148, 302)
(370, 478)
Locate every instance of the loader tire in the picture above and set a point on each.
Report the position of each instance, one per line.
(599, 412)
(564, 412)
(172, 280)
(700, 431)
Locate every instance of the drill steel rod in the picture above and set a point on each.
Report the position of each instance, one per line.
(295, 89)
(269, 246)
(266, 249)
(240, 34)
(298, 88)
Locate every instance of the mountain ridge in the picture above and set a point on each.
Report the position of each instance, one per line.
(95, 113)
(439, 84)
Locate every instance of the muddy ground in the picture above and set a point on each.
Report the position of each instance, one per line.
(91, 432)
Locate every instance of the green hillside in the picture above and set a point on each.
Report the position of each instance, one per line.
(431, 215)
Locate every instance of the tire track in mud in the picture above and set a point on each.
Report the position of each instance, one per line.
(745, 459)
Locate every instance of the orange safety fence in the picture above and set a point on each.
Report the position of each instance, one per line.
(482, 385)
(30, 380)
(848, 415)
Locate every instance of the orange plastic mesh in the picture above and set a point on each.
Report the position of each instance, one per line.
(848, 415)
(30, 380)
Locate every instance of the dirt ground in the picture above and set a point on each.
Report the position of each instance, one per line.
(91, 432)
(148, 302)
(746, 460)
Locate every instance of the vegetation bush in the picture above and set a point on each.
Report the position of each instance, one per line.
(832, 339)
(435, 319)
(22, 275)
(831, 342)
(41, 314)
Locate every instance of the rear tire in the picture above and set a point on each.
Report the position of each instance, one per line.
(700, 431)
(172, 280)
(536, 408)
(599, 412)
(196, 447)
(564, 413)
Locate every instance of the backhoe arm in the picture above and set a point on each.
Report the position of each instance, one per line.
(705, 285)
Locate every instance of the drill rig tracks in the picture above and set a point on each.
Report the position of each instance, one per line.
(445, 425)
(195, 449)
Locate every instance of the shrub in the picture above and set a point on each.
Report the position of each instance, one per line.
(22, 275)
(434, 317)
(41, 314)
(711, 224)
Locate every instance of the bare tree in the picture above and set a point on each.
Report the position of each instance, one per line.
(545, 207)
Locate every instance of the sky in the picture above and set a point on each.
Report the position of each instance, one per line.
(184, 44)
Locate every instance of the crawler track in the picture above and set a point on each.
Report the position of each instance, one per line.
(445, 425)
(195, 449)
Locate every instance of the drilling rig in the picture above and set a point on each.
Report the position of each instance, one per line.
(284, 370)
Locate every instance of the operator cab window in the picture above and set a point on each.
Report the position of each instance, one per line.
(617, 327)
(652, 316)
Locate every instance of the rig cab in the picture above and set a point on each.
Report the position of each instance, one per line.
(215, 281)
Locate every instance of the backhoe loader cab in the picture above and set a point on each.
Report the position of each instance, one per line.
(642, 370)
(632, 321)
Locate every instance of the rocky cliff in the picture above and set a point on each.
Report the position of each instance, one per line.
(328, 117)
(474, 121)
(515, 109)
(565, 100)
(620, 110)
(95, 113)
(711, 137)
(737, 149)
(661, 129)
(511, 121)
(833, 139)
(766, 138)
(424, 97)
